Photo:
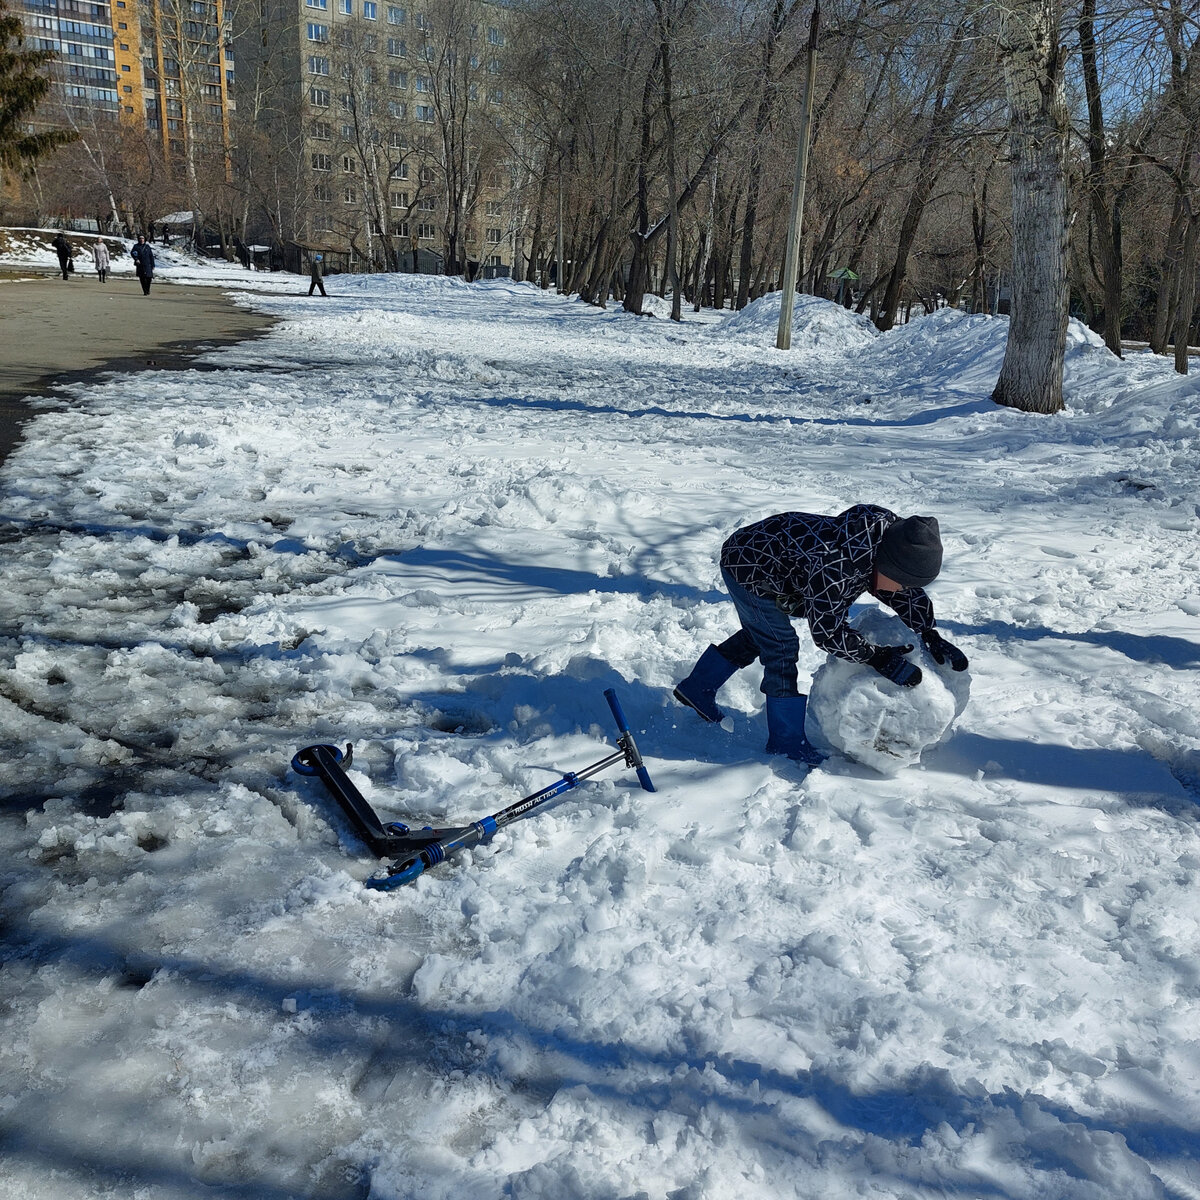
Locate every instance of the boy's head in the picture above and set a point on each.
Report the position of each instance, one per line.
(910, 554)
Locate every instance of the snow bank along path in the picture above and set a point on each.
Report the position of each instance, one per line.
(438, 520)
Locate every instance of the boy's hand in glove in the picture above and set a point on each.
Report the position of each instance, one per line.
(890, 662)
(944, 651)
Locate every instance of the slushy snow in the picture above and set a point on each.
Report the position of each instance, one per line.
(437, 520)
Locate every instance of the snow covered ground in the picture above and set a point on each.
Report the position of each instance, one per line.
(438, 520)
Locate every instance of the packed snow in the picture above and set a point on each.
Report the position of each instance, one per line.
(437, 520)
(870, 720)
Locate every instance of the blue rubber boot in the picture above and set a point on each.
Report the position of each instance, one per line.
(699, 689)
(785, 729)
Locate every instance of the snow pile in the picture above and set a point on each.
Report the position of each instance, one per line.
(952, 349)
(854, 710)
(817, 325)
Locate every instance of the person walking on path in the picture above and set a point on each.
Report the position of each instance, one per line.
(314, 275)
(797, 564)
(143, 263)
(100, 257)
(63, 249)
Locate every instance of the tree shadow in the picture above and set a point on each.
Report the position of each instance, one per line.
(929, 416)
(1154, 649)
(469, 567)
(1133, 774)
(438, 1038)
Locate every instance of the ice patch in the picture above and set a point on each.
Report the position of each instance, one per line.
(855, 711)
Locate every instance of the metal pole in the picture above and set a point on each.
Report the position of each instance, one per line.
(791, 267)
(560, 283)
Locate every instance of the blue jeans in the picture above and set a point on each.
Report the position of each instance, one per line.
(767, 634)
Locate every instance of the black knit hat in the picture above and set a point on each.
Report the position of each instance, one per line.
(911, 551)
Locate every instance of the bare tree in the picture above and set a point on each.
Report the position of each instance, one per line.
(1032, 53)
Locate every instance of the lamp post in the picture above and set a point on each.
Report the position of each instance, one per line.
(791, 267)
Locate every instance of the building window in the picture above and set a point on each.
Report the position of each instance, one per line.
(495, 37)
(493, 236)
(396, 16)
(319, 97)
(348, 133)
(317, 3)
(318, 65)
(397, 48)
(322, 191)
(428, 204)
(126, 88)
(370, 10)
(399, 199)
(322, 131)
(349, 195)
(424, 112)
(349, 165)
(428, 175)
(424, 83)
(346, 7)
(397, 109)
(421, 21)
(495, 208)
(400, 170)
(401, 229)
(318, 33)
(398, 78)
(322, 162)
(427, 230)
(370, 42)
(493, 66)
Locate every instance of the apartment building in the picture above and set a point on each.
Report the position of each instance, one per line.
(165, 65)
(394, 114)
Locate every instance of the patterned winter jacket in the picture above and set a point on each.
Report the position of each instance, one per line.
(815, 567)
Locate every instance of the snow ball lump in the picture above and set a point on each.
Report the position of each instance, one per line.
(855, 711)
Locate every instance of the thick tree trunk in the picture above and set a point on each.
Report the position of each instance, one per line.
(1032, 371)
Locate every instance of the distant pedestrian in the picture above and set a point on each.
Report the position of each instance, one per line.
(315, 272)
(100, 257)
(242, 252)
(143, 263)
(63, 248)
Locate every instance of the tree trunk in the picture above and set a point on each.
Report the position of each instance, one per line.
(1032, 371)
(928, 168)
(1104, 218)
(1185, 303)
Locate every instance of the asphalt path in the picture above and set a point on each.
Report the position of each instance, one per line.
(54, 331)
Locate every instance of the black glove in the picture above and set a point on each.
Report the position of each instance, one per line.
(890, 662)
(788, 604)
(943, 650)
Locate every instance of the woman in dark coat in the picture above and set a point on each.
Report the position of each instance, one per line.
(63, 249)
(143, 263)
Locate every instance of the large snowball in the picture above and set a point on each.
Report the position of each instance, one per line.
(855, 711)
